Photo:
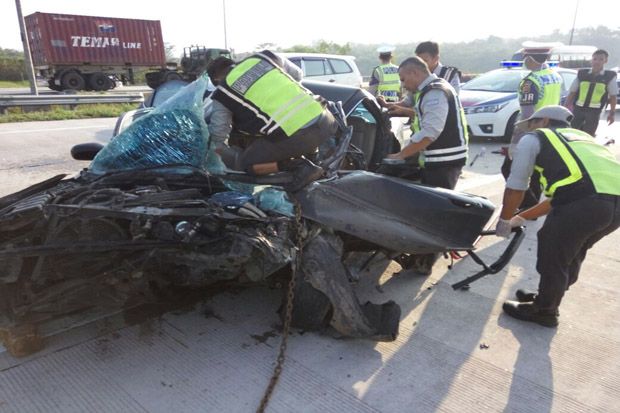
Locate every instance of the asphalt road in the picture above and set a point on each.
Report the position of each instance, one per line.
(456, 351)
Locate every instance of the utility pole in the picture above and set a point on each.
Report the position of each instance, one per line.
(572, 31)
(27, 60)
(225, 37)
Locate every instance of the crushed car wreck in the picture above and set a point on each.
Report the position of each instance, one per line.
(156, 209)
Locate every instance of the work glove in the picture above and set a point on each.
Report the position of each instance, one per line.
(503, 228)
(517, 221)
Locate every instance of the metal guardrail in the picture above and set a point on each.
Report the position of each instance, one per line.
(70, 100)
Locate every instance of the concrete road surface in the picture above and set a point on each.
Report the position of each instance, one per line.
(456, 351)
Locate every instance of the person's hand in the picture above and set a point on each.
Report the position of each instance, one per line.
(397, 110)
(611, 118)
(517, 221)
(396, 155)
(381, 101)
(503, 228)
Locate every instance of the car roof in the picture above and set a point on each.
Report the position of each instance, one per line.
(321, 55)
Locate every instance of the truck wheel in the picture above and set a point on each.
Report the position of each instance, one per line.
(99, 81)
(172, 76)
(72, 80)
(52, 85)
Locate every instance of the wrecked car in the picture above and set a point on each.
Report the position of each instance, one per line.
(157, 210)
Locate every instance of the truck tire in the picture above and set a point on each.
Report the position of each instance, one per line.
(99, 81)
(172, 76)
(52, 85)
(72, 80)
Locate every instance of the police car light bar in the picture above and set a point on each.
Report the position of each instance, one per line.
(518, 63)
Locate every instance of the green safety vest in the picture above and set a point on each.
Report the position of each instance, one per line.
(593, 89)
(389, 82)
(570, 159)
(549, 86)
(280, 102)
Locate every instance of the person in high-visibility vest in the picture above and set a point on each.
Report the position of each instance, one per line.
(541, 87)
(590, 92)
(581, 179)
(441, 140)
(261, 97)
(384, 80)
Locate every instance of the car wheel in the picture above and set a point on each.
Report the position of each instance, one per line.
(510, 127)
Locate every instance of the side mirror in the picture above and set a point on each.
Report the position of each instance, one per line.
(85, 151)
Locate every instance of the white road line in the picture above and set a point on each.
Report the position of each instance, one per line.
(478, 180)
(53, 129)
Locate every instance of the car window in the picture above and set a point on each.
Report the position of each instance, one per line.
(317, 67)
(296, 61)
(340, 66)
(496, 81)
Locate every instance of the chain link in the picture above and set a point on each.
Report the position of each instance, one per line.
(290, 296)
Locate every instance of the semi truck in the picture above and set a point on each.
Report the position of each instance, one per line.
(93, 53)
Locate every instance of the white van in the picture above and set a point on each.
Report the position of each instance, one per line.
(571, 56)
(331, 68)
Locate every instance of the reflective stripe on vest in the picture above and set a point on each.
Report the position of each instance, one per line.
(593, 89)
(260, 85)
(583, 159)
(389, 82)
(450, 147)
(549, 86)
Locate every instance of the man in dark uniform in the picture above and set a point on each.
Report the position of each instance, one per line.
(541, 87)
(261, 96)
(441, 139)
(590, 92)
(582, 183)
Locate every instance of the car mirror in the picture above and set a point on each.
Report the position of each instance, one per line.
(85, 151)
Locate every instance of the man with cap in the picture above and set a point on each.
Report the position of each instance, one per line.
(429, 52)
(582, 182)
(384, 81)
(590, 92)
(539, 88)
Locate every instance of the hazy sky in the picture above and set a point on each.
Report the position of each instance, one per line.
(285, 23)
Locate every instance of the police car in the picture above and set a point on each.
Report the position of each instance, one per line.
(490, 100)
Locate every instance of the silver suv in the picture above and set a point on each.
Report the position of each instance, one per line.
(340, 69)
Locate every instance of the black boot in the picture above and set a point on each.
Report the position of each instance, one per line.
(531, 312)
(303, 172)
(524, 296)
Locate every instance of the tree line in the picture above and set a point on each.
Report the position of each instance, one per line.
(476, 56)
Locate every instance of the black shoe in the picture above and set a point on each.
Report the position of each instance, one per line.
(524, 296)
(304, 172)
(531, 312)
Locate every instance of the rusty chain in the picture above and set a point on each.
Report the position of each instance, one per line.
(290, 296)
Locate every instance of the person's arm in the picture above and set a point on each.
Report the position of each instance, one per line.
(569, 103)
(220, 124)
(611, 117)
(435, 109)
(292, 69)
(373, 83)
(538, 210)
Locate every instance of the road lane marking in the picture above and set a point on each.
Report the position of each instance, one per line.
(53, 129)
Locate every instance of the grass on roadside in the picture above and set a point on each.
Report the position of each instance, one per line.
(60, 112)
(6, 84)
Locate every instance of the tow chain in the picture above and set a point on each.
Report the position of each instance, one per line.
(290, 295)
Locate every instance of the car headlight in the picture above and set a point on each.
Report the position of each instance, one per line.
(485, 108)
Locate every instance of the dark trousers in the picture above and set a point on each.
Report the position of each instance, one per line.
(585, 119)
(569, 231)
(442, 177)
(532, 195)
(303, 142)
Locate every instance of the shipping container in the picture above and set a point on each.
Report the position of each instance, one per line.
(90, 52)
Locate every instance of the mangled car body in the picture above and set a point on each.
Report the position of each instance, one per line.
(156, 209)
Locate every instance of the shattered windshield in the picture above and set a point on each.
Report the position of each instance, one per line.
(175, 133)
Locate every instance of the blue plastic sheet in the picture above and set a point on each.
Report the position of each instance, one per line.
(175, 133)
